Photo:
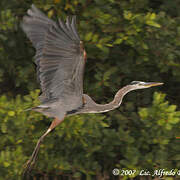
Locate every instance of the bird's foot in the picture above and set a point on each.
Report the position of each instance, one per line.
(28, 167)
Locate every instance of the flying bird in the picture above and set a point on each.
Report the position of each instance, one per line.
(60, 58)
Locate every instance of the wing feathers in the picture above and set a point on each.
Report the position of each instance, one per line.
(73, 25)
(59, 57)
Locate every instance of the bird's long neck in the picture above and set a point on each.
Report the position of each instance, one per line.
(120, 94)
(93, 107)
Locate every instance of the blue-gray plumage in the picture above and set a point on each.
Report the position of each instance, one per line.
(60, 59)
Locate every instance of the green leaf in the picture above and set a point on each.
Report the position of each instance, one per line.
(127, 15)
(152, 23)
(88, 36)
(11, 113)
(118, 41)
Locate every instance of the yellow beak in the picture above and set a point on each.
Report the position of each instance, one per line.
(150, 84)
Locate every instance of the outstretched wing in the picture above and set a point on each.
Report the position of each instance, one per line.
(59, 56)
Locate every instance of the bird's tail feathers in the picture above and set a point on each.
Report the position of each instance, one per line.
(39, 108)
(27, 109)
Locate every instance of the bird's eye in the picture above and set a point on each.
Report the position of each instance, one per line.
(135, 82)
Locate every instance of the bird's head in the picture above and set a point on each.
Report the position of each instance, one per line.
(143, 85)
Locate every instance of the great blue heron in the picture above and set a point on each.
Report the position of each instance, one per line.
(60, 59)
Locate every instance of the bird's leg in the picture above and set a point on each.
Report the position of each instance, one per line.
(31, 161)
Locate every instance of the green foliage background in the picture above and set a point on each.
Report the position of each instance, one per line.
(125, 40)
